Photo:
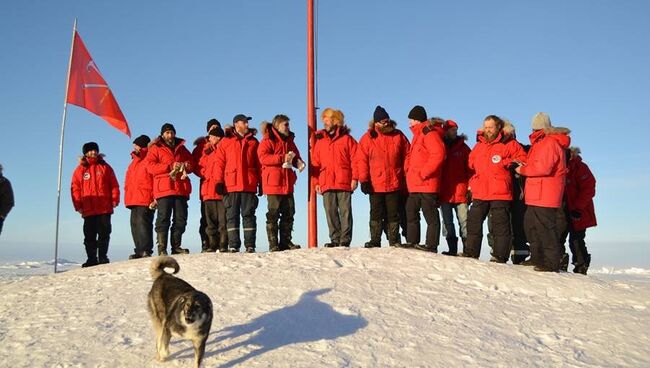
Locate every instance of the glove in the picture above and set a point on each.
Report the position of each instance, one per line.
(259, 191)
(221, 189)
(575, 214)
(513, 165)
(366, 187)
(468, 195)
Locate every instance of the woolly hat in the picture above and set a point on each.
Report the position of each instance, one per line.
(379, 114)
(142, 141)
(418, 113)
(166, 127)
(541, 120)
(212, 122)
(217, 132)
(89, 147)
(450, 124)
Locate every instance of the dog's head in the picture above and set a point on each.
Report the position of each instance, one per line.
(194, 308)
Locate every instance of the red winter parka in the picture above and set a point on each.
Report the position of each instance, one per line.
(332, 156)
(424, 160)
(138, 183)
(197, 153)
(271, 152)
(237, 164)
(490, 161)
(380, 158)
(546, 167)
(160, 161)
(207, 171)
(94, 188)
(455, 172)
(580, 191)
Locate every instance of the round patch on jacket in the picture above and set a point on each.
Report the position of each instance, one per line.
(86, 176)
(496, 159)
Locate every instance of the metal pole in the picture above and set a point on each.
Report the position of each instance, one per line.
(58, 188)
(312, 241)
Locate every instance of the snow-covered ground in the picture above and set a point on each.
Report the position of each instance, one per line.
(332, 308)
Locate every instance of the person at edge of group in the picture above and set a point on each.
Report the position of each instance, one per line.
(214, 209)
(334, 175)
(453, 187)
(6, 198)
(579, 194)
(380, 158)
(95, 193)
(495, 153)
(238, 180)
(545, 170)
(138, 198)
(278, 155)
(197, 154)
(423, 175)
(169, 161)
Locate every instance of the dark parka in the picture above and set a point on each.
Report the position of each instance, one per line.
(380, 156)
(160, 161)
(332, 160)
(238, 166)
(138, 183)
(271, 153)
(424, 160)
(6, 196)
(94, 187)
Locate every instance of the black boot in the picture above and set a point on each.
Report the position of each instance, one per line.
(286, 229)
(91, 254)
(272, 235)
(375, 235)
(103, 254)
(161, 242)
(393, 234)
(564, 262)
(452, 243)
(205, 245)
(176, 243)
(583, 266)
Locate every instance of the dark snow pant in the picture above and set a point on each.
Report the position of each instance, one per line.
(448, 227)
(384, 210)
(2, 221)
(428, 203)
(166, 206)
(338, 210)
(244, 204)
(543, 232)
(97, 234)
(203, 225)
(142, 230)
(281, 211)
(215, 218)
(499, 221)
(580, 257)
(520, 248)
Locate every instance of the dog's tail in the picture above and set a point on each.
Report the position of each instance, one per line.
(159, 264)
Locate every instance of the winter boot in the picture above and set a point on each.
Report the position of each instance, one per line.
(176, 239)
(583, 266)
(376, 230)
(452, 243)
(103, 254)
(331, 245)
(393, 234)
(161, 242)
(205, 245)
(286, 229)
(564, 262)
(272, 235)
(91, 254)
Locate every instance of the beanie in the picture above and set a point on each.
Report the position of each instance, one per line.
(89, 147)
(142, 141)
(418, 113)
(450, 124)
(217, 132)
(166, 127)
(379, 114)
(541, 120)
(212, 122)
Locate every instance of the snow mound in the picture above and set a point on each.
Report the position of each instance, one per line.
(333, 308)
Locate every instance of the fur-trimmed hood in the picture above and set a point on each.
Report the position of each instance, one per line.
(507, 133)
(229, 131)
(159, 141)
(340, 131)
(390, 128)
(200, 140)
(83, 160)
(560, 134)
(269, 131)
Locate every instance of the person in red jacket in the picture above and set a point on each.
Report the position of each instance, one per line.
(138, 197)
(334, 175)
(453, 186)
(95, 192)
(197, 154)
(278, 155)
(214, 209)
(579, 195)
(491, 187)
(545, 171)
(380, 159)
(423, 167)
(238, 179)
(169, 162)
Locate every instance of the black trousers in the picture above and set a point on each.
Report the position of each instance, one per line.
(543, 229)
(279, 216)
(142, 229)
(203, 225)
(499, 221)
(2, 221)
(241, 204)
(428, 203)
(215, 218)
(385, 206)
(97, 235)
(167, 206)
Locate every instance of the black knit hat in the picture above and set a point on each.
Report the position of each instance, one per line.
(380, 114)
(89, 147)
(166, 127)
(212, 122)
(142, 141)
(217, 132)
(418, 113)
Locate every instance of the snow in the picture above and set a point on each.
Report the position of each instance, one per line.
(330, 308)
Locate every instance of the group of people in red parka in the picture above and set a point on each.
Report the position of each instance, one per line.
(533, 196)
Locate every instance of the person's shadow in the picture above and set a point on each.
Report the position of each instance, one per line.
(307, 320)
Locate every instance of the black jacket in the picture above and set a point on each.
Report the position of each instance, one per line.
(6, 196)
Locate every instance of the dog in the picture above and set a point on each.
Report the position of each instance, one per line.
(177, 309)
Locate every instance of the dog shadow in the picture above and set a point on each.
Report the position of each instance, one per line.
(308, 320)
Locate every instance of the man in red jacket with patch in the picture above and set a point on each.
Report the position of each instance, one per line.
(169, 162)
(545, 171)
(278, 155)
(95, 192)
(138, 197)
(238, 179)
(380, 157)
(491, 186)
(423, 172)
(214, 209)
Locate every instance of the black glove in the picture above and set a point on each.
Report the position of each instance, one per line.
(575, 214)
(513, 165)
(259, 191)
(366, 187)
(221, 189)
(468, 195)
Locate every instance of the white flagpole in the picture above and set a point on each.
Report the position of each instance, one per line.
(58, 189)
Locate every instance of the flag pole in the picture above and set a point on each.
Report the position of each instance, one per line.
(58, 189)
(312, 233)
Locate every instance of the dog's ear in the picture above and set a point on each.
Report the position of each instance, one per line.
(181, 300)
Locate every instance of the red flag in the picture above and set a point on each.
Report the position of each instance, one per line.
(88, 89)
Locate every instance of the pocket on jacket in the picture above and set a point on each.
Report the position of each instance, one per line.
(501, 186)
(343, 176)
(274, 178)
(165, 184)
(231, 178)
(533, 190)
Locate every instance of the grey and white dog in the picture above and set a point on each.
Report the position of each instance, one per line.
(177, 309)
